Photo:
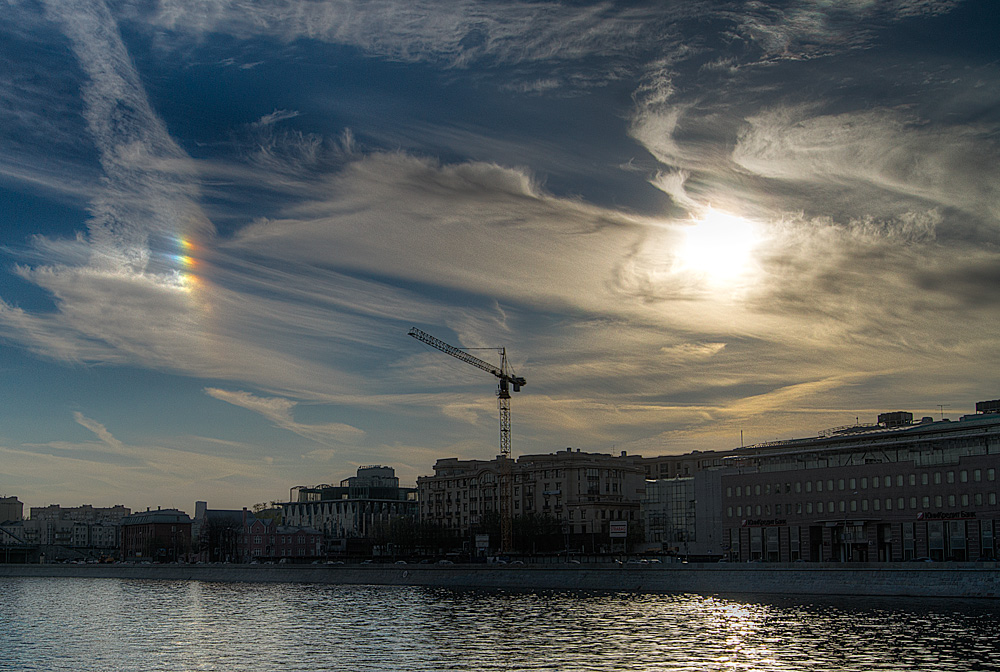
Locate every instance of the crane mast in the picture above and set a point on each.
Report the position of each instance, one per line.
(507, 382)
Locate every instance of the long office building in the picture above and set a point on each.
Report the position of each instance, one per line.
(893, 491)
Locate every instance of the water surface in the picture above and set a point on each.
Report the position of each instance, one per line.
(88, 625)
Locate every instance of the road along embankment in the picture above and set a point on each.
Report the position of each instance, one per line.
(976, 580)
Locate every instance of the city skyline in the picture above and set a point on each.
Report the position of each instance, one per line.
(689, 224)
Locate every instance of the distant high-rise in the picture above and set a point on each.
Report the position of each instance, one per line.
(11, 509)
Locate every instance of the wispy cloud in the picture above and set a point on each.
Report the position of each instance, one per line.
(279, 411)
(99, 430)
(877, 222)
(458, 33)
(277, 116)
(287, 322)
(144, 194)
(876, 149)
(110, 471)
(469, 31)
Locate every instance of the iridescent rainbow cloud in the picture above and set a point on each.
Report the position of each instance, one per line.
(186, 261)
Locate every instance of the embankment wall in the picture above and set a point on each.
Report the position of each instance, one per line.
(980, 580)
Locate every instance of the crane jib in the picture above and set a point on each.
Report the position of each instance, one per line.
(503, 397)
(500, 372)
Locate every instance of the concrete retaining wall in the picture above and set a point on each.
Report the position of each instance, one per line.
(980, 580)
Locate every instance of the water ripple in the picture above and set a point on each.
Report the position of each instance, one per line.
(97, 625)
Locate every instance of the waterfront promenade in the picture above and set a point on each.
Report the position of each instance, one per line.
(960, 580)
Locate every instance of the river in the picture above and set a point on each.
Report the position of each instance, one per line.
(87, 625)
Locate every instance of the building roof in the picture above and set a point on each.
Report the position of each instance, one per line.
(869, 438)
(160, 516)
(228, 516)
(288, 529)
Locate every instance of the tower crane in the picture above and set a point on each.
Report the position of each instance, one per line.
(508, 382)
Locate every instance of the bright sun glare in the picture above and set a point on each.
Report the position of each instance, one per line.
(718, 246)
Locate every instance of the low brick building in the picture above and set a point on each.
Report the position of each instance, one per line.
(265, 539)
(163, 535)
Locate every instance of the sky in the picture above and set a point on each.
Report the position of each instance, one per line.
(692, 224)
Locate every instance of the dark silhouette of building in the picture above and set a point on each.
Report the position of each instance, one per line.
(163, 535)
(237, 535)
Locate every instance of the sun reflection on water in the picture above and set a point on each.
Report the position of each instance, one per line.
(103, 624)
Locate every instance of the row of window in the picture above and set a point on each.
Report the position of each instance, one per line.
(941, 540)
(340, 509)
(489, 497)
(585, 528)
(602, 514)
(489, 479)
(864, 505)
(529, 493)
(605, 514)
(863, 483)
(259, 552)
(487, 506)
(571, 528)
(259, 539)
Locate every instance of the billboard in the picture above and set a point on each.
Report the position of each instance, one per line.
(619, 529)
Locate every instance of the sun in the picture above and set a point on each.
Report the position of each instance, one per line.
(719, 246)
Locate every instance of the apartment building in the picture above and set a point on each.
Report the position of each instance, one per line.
(90, 530)
(585, 492)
